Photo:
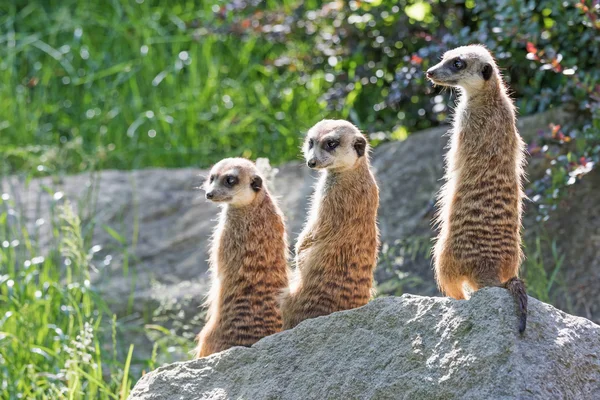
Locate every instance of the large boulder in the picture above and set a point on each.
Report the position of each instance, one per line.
(576, 233)
(408, 347)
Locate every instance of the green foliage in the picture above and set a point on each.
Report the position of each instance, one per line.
(127, 85)
(541, 272)
(569, 154)
(52, 319)
(394, 256)
(58, 340)
(375, 53)
(154, 83)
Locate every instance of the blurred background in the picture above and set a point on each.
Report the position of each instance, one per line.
(160, 90)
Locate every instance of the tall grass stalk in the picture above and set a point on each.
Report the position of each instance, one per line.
(51, 319)
(542, 267)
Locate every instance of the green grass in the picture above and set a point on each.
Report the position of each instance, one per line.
(118, 84)
(52, 322)
(58, 339)
(542, 272)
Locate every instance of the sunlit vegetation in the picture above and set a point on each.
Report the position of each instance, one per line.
(52, 320)
(152, 83)
(129, 84)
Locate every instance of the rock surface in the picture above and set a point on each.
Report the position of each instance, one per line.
(576, 230)
(407, 347)
(164, 223)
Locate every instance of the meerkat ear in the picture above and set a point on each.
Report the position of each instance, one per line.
(487, 71)
(360, 144)
(256, 183)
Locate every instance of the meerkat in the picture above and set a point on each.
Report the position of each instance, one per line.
(337, 249)
(248, 259)
(480, 205)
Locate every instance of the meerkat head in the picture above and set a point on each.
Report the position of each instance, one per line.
(469, 67)
(234, 181)
(334, 144)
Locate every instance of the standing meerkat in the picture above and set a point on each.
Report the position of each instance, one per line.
(480, 205)
(337, 249)
(248, 259)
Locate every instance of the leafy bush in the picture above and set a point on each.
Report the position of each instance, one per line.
(375, 53)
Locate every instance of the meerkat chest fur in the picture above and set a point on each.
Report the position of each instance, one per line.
(484, 173)
(484, 132)
(248, 260)
(344, 209)
(336, 251)
(250, 271)
(249, 242)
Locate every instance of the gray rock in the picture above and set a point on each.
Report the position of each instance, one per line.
(160, 215)
(407, 347)
(576, 231)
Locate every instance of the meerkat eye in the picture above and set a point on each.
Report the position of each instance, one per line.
(230, 180)
(458, 64)
(311, 144)
(211, 179)
(332, 144)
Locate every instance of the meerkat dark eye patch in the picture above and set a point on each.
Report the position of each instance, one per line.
(230, 180)
(331, 144)
(486, 71)
(360, 145)
(458, 64)
(211, 179)
(256, 183)
(311, 143)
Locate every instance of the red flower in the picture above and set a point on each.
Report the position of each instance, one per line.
(416, 59)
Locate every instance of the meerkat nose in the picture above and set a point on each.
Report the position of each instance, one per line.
(311, 163)
(209, 195)
(429, 73)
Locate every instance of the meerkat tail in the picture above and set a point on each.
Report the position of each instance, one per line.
(516, 287)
